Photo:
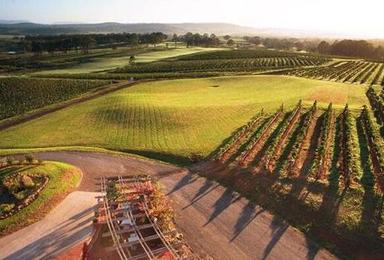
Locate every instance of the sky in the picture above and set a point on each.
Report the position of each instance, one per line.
(348, 17)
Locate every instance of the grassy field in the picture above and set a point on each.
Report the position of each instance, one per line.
(62, 179)
(110, 63)
(174, 119)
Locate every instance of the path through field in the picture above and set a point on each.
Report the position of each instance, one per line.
(214, 220)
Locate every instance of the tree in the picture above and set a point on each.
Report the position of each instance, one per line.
(86, 43)
(188, 38)
(324, 47)
(227, 37)
(132, 60)
(230, 42)
(175, 39)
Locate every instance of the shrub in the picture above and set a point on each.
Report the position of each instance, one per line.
(6, 208)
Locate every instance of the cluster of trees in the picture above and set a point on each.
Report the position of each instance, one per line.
(196, 39)
(283, 43)
(64, 43)
(352, 48)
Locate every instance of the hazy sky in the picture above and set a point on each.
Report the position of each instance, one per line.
(353, 17)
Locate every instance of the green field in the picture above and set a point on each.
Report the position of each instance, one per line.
(109, 63)
(177, 117)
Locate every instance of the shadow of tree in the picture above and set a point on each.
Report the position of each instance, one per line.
(204, 190)
(161, 156)
(249, 213)
(278, 229)
(187, 179)
(225, 200)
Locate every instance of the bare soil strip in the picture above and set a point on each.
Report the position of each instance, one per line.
(304, 147)
(327, 154)
(250, 154)
(270, 165)
(342, 160)
(235, 146)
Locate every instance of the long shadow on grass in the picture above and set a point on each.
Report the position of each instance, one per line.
(161, 156)
(223, 143)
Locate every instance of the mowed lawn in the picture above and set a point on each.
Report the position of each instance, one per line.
(177, 117)
(110, 63)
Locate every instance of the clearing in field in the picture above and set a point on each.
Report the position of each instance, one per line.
(177, 118)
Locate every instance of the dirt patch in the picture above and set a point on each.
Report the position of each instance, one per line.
(329, 95)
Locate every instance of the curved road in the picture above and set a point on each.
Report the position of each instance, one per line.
(214, 220)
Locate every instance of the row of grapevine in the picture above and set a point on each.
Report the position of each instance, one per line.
(20, 95)
(375, 147)
(322, 160)
(291, 162)
(347, 165)
(245, 64)
(350, 73)
(377, 104)
(242, 134)
(241, 54)
(367, 73)
(275, 148)
(252, 146)
(345, 71)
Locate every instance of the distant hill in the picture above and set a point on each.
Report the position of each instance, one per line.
(180, 28)
(12, 21)
(27, 28)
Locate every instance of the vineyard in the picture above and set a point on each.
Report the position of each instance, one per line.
(310, 158)
(228, 61)
(243, 54)
(359, 72)
(20, 95)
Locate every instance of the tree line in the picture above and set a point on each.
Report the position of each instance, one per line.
(84, 42)
(197, 39)
(352, 48)
(349, 48)
(283, 43)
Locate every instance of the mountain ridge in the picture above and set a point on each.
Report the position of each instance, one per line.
(30, 28)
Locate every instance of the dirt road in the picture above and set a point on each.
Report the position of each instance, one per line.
(214, 220)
